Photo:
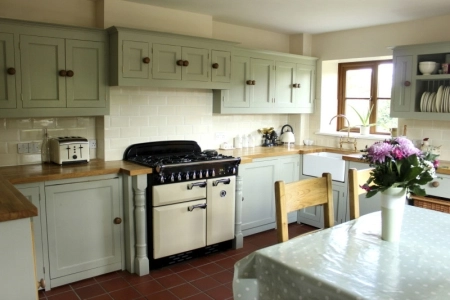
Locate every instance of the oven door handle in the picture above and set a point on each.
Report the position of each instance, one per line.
(224, 181)
(192, 207)
(199, 184)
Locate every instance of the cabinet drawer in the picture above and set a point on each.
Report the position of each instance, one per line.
(442, 190)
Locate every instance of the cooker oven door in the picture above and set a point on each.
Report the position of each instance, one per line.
(221, 209)
(179, 227)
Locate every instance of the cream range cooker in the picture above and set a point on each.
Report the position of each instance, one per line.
(190, 199)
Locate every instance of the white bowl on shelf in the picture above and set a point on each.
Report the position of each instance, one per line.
(427, 67)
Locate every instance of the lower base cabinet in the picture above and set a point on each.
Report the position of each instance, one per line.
(258, 206)
(78, 232)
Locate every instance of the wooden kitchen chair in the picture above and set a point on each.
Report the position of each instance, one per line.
(355, 179)
(301, 194)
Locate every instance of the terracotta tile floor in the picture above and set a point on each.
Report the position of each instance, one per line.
(205, 278)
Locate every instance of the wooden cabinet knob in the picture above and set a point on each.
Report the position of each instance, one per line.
(146, 60)
(435, 184)
(62, 73)
(407, 83)
(179, 63)
(185, 63)
(69, 73)
(117, 220)
(11, 71)
(253, 82)
(215, 65)
(41, 283)
(249, 82)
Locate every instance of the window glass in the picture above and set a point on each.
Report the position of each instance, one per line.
(384, 80)
(358, 83)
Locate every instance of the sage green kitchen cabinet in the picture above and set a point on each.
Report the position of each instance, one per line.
(221, 66)
(267, 82)
(78, 231)
(62, 73)
(35, 194)
(258, 206)
(59, 70)
(409, 84)
(84, 228)
(180, 63)
(8, 71)
(156, 59)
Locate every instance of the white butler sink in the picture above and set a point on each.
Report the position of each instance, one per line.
(314, 164)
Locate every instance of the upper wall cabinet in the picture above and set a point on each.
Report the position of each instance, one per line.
(51, 70)
(268, 82)
(146, 58)
(419, 96)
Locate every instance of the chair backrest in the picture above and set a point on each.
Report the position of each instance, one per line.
(301, 194)
(355, 179)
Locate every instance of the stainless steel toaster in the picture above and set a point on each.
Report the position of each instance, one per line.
(69, 149)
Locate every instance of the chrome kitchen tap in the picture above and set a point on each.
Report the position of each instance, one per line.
(348, 140)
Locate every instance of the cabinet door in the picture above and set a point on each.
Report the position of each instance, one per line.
(165, 59)
(39, 231)
(221, 73)
(304, 92)
(284, 82)
(239, 95)
(198, 67)
(80, 224)
(7, 81)
(87, 86)
(133, 65)
(258, 207)
(402, 85)
(288, 170)
(261, 71)
(41, 60)
(340, 204)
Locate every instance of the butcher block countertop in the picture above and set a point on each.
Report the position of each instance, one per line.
(13, 205)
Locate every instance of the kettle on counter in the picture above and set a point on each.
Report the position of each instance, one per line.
(288, 136)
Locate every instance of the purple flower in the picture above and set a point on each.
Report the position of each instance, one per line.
(407, 147)
(365, 187)
(436, 163)
(379, 151)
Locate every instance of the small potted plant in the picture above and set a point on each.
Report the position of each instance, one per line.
(365, 121)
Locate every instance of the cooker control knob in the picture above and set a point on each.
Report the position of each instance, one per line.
(213, 173)
(187, 176)
(206, 174)
(200, 174)
(161, 178)
(172, 177)
(74, 156)
(194, 175)
(179, 177)
(233, 170)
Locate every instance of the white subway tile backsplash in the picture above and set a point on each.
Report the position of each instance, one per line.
(148, 132)
(83, 132)
(19, 123)
(8, 135)
(176, 100)
(9, 160)
(129, 110)
(157, 100)
(31, 134)
(120, 122)
(112, 133)
(167, 130)
(167, 110)
(182, 130)
(139, 100)
(157, 121)
(139, 121)
(3, 147)
(120, 143)
(129, 132)
(66, 122)
(44, 122)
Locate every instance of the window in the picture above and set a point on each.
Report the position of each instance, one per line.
(362, 85)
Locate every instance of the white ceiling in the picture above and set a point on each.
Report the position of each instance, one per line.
(309, 16)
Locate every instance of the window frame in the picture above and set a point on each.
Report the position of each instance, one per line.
(342, 69)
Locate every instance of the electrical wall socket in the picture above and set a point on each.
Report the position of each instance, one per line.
(34, 147)
(22, 148)
(92, 144)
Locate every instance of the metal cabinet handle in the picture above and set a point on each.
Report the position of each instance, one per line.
(224, 181)
(192, 207)
(199, 184)
(117, 220)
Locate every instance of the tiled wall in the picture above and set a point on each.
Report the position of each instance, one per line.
(27, 130)
(145, 114)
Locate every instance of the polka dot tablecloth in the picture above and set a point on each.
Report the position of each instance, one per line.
(350, 261)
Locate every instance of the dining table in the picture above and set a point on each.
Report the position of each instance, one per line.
(351, 261)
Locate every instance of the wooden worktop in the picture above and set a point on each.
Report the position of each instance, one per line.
(13, 205)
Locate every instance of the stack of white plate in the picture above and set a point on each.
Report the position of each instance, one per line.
(436, 102)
